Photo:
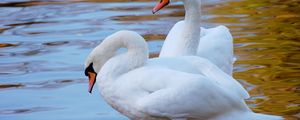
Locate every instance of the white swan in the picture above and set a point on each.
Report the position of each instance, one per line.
(216, 44)
(162, 88)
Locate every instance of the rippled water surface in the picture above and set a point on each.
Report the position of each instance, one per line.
(43, 44)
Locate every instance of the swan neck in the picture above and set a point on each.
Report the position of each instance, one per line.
(192, 11)
(112, 65)
(192, 26)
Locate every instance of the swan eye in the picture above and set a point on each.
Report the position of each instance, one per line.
(89, 69)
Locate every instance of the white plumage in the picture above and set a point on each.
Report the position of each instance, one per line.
(187, 38)
(177, 88)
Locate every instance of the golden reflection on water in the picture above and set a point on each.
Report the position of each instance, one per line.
(267, 35)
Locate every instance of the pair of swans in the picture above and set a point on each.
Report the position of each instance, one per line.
(178, 85)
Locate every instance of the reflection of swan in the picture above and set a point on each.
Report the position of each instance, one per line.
(163, 88)
(216, 44)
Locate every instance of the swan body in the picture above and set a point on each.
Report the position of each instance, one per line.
(176, 88)
(187, 38)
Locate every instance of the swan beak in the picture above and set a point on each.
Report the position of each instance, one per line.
(92, 80)
(160, 5)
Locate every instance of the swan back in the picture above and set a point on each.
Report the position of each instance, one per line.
(217, 46)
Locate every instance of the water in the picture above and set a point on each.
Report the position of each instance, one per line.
(43, 45)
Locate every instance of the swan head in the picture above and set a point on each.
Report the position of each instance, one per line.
(107, 52)
(93, 64)
(98, 57)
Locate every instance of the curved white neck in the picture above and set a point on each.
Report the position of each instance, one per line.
(192, 26)
(108, 65)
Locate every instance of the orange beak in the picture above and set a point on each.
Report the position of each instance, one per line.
(92, 80)
(160, 5)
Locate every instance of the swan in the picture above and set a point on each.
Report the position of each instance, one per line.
(216, 44)
(175, 88)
